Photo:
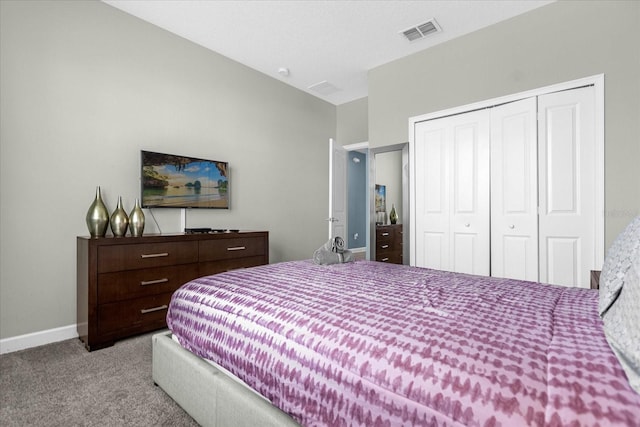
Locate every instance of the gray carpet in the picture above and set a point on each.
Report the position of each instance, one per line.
(62, 384)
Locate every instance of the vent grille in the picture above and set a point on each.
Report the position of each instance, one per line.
(421, 31)
(324, 88)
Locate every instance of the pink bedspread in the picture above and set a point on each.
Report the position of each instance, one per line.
(373, 344)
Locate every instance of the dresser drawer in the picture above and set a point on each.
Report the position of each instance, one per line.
(135, 315)
(215, 267)
(211, 250)
(131, 257)
(382, 247)
(123, 285)
(391, 257)
(384, 235)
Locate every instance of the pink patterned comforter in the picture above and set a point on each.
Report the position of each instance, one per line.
(375, 344)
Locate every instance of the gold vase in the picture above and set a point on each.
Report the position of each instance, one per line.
(119, 220)
(136, 220)
(97, 216)
(393, 216)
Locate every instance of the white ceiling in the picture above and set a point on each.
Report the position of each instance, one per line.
(334, 41)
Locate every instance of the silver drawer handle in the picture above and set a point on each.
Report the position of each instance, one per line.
(384, 246)
(154, 255)
(237, 248)
(151, 310)
(384, 259)
(385, 234)
(153, 282)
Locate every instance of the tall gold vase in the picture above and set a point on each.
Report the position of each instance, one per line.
(97, 216)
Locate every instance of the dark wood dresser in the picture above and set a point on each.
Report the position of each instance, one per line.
(124, 284)
(389, 243)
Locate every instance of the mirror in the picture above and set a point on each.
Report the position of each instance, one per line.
(389, 189)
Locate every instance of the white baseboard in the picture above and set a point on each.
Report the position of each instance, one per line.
(35, 339)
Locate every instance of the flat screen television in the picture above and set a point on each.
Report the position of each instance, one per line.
(171, 181)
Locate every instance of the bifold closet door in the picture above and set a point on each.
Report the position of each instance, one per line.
(514, 191)
(510, 191)
(567, 184)
(452, 193)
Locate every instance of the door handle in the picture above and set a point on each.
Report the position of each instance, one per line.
(162, 254)
(153, 282)
(151, 310)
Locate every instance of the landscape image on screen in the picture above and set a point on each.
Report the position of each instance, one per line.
(172, 181)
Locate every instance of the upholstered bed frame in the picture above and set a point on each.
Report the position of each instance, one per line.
(207, 393)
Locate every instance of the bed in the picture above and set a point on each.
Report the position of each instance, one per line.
(373, 344)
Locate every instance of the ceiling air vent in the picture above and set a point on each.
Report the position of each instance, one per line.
(420, 31)
(323, 88)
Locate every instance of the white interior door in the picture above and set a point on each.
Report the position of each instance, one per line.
(567, 182)
(337, 190)
(514, 190)
(452, 193)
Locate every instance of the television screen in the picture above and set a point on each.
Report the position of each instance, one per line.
(170, 181)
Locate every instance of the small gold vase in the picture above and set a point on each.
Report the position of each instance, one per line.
(119, 220)
(97, 216)
(393, 216)
(136, 220)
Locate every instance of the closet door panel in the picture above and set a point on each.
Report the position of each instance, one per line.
(471, 220)
(436, 159)
(561, 157)
(432, 226)
(465, 170)
(562, 267)
(465, 259)
(452, 193)
(514, 195)
(517, 258)
(435, 245)
(567, 187)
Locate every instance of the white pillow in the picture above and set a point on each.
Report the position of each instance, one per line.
(622, 324)
(619, 258)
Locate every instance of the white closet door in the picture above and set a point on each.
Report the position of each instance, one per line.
(514, 192)
(567, 186)
(452, 193)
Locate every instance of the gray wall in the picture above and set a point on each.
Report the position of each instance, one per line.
(353, 122)
(559, 42)
(84, 88)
